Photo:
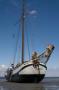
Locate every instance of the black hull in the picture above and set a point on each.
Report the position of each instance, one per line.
(27, 78)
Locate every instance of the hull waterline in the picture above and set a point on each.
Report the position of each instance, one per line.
(27, 78)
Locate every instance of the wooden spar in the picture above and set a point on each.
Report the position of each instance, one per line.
(22, 26)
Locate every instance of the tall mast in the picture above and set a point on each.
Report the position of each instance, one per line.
(22, 26)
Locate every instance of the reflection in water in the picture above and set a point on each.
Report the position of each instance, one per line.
(36, 88)
(49, 87)
(47, 84)
(4, 88)
(30, 87)
(1, 88)
(39, 87)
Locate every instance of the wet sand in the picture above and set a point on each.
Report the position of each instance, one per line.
(44, 85)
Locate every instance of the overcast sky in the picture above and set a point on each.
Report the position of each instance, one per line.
(41, 27)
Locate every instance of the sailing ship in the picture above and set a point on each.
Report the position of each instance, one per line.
(33, 70)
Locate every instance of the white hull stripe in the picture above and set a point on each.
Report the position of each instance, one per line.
(31, 65)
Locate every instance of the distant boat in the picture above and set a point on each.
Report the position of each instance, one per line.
(32, 70)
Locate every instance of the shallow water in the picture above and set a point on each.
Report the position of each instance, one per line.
(39, 88)
(54, 87)
(46, 84)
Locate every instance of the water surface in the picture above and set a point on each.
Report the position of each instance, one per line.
(46, 84)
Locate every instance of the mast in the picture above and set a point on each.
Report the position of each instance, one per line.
(22, 26)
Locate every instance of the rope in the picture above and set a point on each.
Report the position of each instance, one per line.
(31, 43)
(28, 45)
(16, 47)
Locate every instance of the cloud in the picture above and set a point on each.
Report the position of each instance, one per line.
(33, 12)
(2, 70)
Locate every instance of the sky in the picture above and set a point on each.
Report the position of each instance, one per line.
(41, 29)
